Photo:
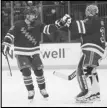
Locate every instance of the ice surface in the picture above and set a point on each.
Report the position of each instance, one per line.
(61, 92)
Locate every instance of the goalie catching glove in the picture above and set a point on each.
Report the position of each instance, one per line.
(65, 21)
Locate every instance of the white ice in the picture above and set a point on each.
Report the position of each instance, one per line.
(61, 92)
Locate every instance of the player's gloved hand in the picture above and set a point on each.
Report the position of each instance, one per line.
(7, 49)
(68, 22)
(64, 21)
(58, 24)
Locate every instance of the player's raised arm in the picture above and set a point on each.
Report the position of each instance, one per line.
(50, 28)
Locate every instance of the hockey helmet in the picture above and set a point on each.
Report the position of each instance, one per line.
(91, 10)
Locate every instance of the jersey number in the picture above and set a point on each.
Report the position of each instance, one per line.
(102, 31)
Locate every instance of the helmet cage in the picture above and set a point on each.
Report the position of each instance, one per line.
(91, 10)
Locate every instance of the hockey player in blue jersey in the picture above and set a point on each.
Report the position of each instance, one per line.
(91, 31)
(25, 36)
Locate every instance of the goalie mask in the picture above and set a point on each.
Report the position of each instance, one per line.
(91, 10)
(31, 14)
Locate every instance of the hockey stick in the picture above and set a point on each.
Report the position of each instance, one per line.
(10, 72)
(66, 77)
(71, 76)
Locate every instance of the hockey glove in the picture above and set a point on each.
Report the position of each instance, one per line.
(65, 21)
(59, 24)
(7, 49)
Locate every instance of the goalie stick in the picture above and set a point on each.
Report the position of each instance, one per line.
(66, 77)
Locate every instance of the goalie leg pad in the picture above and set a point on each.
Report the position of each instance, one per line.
(95, 85)
(80, 75)
(85, 75)
(80, 67)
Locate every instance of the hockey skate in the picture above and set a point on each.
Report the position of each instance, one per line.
(44, 93)
(83, 97)
(95, 97)
(96, 88)
(87, 97)
(31, 95)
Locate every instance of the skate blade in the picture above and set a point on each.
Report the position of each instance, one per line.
(45, 99)
(80, 102)
(88, 101)
(31, 100)
(97, 100)
(84, 101)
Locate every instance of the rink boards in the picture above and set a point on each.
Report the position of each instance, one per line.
(57, 56)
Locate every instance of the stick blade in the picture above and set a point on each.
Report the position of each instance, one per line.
(60, 75)
(64, 76)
